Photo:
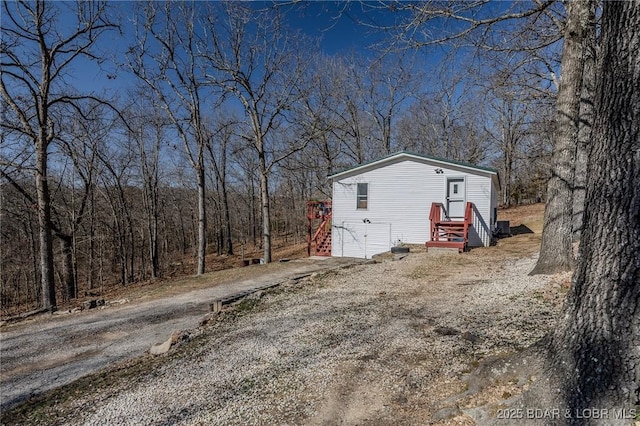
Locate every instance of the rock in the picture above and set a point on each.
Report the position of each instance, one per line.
(445, 414)
(100, 302)
(89, 304)
(471, 337)
(446, 331)
(180, 336)
(162, 348)
(175, 339)
(256, 295)
(3, 323)
(209, 317)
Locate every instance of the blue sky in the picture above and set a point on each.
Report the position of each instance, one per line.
(335, 24)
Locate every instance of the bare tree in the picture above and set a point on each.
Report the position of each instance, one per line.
(317, 114)
(168, 60)
(253, 58)
(80, 140)
(36, 54)
(510, 118)
(219, 144)
(392, 81)
(353, 125)
(149, 129)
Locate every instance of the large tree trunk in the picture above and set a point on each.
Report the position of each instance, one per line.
(556, 252)
(596, 344)
(585, 123)
(48, 292)
(266, 210)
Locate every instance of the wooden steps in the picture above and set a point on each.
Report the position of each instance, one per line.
(321, 238)
(449, 233)
(323, 248)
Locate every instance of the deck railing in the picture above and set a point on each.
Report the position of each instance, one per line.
(449, 233)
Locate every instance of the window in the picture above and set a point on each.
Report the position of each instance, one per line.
(362, 195)
(455, 188)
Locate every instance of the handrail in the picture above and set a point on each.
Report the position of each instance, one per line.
(318, 209)
(434, 214)
(468, 220)
(320, 229)
(435, 217)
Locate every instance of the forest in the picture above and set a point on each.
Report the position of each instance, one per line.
(138, 138)
(211, 124)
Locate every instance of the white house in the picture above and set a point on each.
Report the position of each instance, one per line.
(387, 201)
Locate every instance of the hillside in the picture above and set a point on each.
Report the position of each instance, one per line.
(386, 343)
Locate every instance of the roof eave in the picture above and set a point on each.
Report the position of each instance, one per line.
(416, 157)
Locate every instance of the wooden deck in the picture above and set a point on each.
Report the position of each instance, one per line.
(449, 233)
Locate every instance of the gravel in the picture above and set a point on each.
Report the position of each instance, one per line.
(352, 346)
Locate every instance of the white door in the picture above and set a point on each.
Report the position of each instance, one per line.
(352, 239)
(378, 238)
(455, 198)
(364, 239)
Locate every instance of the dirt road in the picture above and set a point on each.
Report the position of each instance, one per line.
(388, 343)
(39, 355)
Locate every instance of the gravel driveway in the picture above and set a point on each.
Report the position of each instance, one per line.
(372, 344)
(40, 355)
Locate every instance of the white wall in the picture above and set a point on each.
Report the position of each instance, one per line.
(400, 194)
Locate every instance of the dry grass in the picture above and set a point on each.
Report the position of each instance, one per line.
(179, 279)
(530, 215)
(362, 332)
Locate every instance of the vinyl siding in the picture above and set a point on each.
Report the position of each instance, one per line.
(400, 194)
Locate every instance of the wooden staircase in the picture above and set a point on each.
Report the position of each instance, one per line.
(323, 246)
(449, 233)
(321, 238)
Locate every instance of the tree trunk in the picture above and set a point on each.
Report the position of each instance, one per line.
(152, 212)
(596, 344)
(48, 292)
(153, 241)
(68, 275)
(266, 210)
(92, 244)
(202, 219)
(585, 123)
(508, 169)
(252, 210)
(556, 252)
(227, 220)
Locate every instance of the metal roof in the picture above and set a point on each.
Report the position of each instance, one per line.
(407, 154)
